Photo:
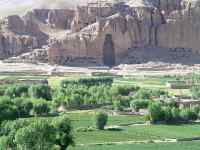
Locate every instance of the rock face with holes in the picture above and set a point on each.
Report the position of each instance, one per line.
(106, 33)
(19, 35)
(107, 40)
(160, 24)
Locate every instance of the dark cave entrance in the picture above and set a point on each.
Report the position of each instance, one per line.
(108, 51)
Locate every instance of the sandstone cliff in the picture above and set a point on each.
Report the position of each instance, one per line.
(105, 33)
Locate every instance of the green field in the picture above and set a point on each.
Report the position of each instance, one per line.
(152, 82)
(86, 118)
(155, 82)
(128, 133)
(90, 139)
(160, 146)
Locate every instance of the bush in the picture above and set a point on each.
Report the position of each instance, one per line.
(40, 91)
(168, 115)
(23, 106)
(88, 81)
(63, 130)
(124, 90)
(101, 120)
(175, 114)
(188, 114)
(40, 107)
(78, 96)
(117, 105)
(139, 104)
(148, 94)
(156, 112)
(143, 94)
(17, 91)
(196, 109)
(7, 109)
(195, 90)
(37, 133)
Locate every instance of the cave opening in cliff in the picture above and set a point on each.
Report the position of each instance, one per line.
(108, 51)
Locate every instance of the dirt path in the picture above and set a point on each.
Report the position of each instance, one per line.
(132, 142)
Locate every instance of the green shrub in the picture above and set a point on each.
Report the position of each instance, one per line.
(101, 120)
(168, 115)
(195, 90)
(124, 90)
(139, 104)
(63, 128)
(23, 106)
(7, 109)
(196, 109)
(188, 114)
(40, 107)
(117, 105)
(156, 112)
(175, 114)
(148, 94)
(37, 133)
(17, 91)
(88, 81)
(40, 91)
(143, 94)
(77, 96)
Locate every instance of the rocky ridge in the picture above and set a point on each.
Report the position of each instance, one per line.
(108, 34)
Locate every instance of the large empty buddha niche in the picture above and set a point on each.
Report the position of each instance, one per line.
(108, 51)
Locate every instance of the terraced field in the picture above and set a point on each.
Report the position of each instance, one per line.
(160, 146)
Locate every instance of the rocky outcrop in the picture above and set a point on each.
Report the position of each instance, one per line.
(56, 18)
(113, 35)
(15, 24)
(87, 15)
(60, 19)
(105, 33)
(13, 45)
(160, 24)
(35, 56)
(19, 35)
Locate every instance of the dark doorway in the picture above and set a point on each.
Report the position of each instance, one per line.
(108, 51)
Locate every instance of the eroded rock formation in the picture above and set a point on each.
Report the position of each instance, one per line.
(105, 33)
(108, 37)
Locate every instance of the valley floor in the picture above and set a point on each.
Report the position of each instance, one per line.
(160, 146)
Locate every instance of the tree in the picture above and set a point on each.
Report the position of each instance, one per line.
(40, 91)
(195, 90)
(7, 109)
(23, 106)
(101, 120)
(168, 115)
(156, 112)
(17, 91)
(63, 128)
(139, 104)
(4, 143)
(40, 107)
(39, 135)
(36, 134)
(175, 114)
(188, 114)
(117, 105)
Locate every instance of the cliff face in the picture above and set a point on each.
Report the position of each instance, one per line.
(160, 24)
(19, 35)
(106, 34)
